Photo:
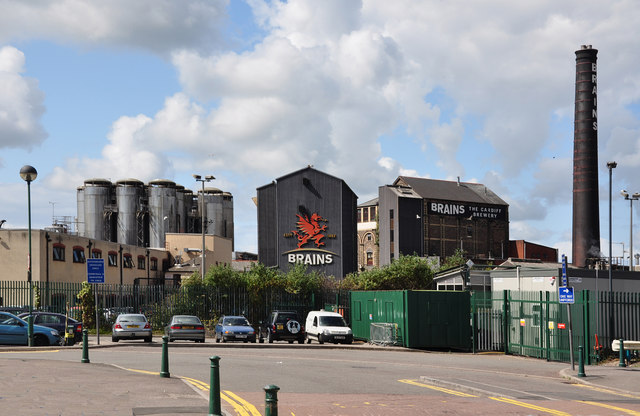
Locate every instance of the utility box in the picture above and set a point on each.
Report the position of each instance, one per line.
(424, 318)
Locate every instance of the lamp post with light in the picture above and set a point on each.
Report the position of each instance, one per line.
(199, 178)
(610, 166)
(29, 173)
(630, 198)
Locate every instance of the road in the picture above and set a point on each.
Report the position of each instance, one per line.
(359, 381)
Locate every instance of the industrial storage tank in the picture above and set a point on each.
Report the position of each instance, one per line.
(80, 211)
(213, 220)
(227, 215)
(162, 211)
(97, 197)
(181, 208)
(128, 195)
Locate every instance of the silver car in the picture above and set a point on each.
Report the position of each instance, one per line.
(185, 327)
(131, 326)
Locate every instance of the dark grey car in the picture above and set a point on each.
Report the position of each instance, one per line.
(185, 327)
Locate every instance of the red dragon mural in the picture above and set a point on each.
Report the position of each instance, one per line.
(309, 229)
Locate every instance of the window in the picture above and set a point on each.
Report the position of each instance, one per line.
(113, 259)
(391, 235)
(359, 214)
(78, 254)
(391, 219)
(365, 215)
(58, 252)
(141, 265)
(369, 258)
(153, 263)
(96, 253)
(369, 236)
(127, 261)
(374, 213)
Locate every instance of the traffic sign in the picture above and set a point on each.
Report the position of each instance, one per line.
(564, 271)
(565, 295)
(95, 270)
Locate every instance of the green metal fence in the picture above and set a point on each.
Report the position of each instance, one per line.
(159, 303)
(535, 324)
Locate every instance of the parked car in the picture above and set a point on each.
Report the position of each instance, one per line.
(234, 328)
(326, 326)
(282, 325)
(14, 330)
(57, 321)
(131, 326)
(15, 310)
(185, 327)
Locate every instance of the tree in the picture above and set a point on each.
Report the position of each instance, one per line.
(87, 305)
(457, 259)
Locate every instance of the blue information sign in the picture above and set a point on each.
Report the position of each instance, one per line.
(95, 270)
(565, 295)
(563, 282)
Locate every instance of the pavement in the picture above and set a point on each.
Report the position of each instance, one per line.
(111, 390)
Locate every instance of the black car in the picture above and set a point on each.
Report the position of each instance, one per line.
(282, 326)
(57, 321)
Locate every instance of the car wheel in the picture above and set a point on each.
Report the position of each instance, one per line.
(270, 338)
(114, 339)
(308, 339)
(40, 340)
(290, 342)
(260, 338)
(301, 341)
(148, 339)
(253, 341)
(217, 338)
(222, 338)
(320, 341)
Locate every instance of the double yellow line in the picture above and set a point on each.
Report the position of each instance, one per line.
(240, 405)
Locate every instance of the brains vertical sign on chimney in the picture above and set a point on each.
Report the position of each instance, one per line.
(586, 214)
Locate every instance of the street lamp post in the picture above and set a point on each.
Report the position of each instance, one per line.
(199, 178)
(630, 198)
(29, 174)
(610, 166)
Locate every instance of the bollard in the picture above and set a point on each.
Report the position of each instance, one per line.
(85, 346)
(164, 366)
(621, 363)
(214, 387)
(581, 362)
(271, 400)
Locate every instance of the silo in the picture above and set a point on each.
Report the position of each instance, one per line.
(162, 211)
(213, 220)
(181, 209)
(80, 212)
(227, 215)
(97, 196)
(128, 195)
(586, 214)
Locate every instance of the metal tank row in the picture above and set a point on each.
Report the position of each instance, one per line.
(130, 212)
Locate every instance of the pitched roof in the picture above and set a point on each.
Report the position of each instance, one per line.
(450, 190)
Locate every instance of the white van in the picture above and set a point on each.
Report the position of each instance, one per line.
(327, 326)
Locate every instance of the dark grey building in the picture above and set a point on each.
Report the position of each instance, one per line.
(434, 218)
(308, 217)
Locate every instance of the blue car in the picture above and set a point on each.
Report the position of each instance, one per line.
(234, 328)
(14, 330)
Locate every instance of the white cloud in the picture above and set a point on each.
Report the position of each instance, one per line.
(156, 25)
(21, 103)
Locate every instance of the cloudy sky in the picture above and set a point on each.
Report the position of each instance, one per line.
(365, 90)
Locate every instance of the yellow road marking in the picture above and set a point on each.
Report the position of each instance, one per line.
(27, 352)
(442, 389)
(241, 406)
(143, 371)
(251, 408)
(608, 406)
(603, 390)
(530, 406)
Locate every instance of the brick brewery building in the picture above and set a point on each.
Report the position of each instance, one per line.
(308, 217)
(434, 218)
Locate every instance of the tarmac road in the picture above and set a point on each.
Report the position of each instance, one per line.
(42, 381)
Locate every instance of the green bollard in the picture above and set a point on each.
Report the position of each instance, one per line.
(581, 362)
(271, 400)
(214, 387)
(621, 363)
(164, 366)
(85, 346)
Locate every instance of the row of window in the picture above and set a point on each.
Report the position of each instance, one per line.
(112, 259)
(367, 214)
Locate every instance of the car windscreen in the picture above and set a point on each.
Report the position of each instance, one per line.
(132, 318)
(235, 322)
(332, 321)
(284, 318)
(193, 320)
